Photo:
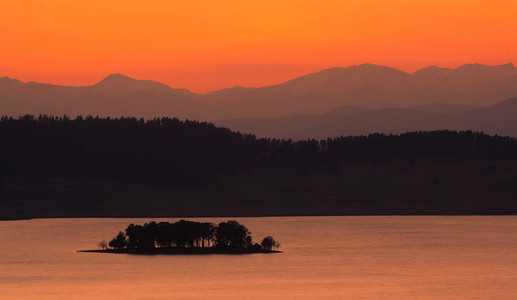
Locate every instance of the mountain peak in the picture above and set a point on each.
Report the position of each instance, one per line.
(120, 82)
(11, 82)
(430, 71)
(482, 66)
(375, 68)
(116, 78)
(484, 70)
(369, 65)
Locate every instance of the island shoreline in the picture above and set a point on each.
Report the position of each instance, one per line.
(182, 251)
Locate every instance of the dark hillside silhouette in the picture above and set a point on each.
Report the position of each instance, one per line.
(90, 166)
(170, 151)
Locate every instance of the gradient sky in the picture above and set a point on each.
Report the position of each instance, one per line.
(204, 45)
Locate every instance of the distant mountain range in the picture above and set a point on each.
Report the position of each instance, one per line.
(338, 101)
(497, 119)
(116, 95)
(372, 86)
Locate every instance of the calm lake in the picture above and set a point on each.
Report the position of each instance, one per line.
(416, 257)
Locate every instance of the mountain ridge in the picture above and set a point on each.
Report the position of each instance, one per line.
(495, 119)
(507, 66)
(367, 86)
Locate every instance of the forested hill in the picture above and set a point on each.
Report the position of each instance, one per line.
(161, 150)
(190, 168)
(170, 151)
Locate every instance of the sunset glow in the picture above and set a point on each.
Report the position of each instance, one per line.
(205, 45)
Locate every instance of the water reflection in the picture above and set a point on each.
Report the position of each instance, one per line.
(324, 258)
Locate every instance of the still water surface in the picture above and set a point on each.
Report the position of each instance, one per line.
(416, 257)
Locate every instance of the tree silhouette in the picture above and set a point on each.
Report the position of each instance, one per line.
(165, 234)
(268, 243)
(207, 233)
(119, 242)
(188, 234)
(103, 245)
(231, 234)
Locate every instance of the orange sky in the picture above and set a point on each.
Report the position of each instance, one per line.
(204, 45)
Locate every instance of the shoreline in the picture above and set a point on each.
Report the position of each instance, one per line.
(181, 251)
(264, 216)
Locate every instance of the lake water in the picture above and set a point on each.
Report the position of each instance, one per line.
(417, 257)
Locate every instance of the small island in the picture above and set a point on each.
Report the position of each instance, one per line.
(186, 237)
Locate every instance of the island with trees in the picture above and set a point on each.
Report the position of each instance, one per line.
(187, 237)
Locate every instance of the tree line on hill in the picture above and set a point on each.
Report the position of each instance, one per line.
(189, 234)
(174, 152)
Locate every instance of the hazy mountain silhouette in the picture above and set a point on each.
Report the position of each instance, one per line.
(121, 83)
(313, 93)
(374, 87)
(444, 107)
(118, 95)
(430, 72)
(431, 89)
(115, 95)
(497, 119)
(285, 127)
